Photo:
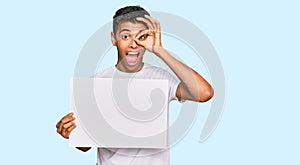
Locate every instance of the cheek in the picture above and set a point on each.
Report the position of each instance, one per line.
(122, 46)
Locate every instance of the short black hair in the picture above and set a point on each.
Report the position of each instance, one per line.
(128, 13)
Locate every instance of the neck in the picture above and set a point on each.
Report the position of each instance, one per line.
(127, 69)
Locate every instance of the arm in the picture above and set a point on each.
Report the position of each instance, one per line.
(192, 86)
(65, 126)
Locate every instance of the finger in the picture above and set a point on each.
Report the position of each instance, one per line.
(69, 114)
(144, 34)
(60, 128)
(140, 43)
(70, 129)
(65, 120)
(65, 125)
(147, 21)
(65, 134)
(156, 25)
(58, 124)
(68, 132)
(157, 28)
(68, 125)
(154, 22)
(147, 44)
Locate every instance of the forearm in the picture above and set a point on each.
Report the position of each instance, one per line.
(84, 149)
(196, 86)
(193, 86)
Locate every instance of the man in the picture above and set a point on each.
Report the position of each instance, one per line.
(134, 32)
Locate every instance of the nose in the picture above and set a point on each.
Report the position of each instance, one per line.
(132, 44)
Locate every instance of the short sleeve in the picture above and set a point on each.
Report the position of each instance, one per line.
(173, 84)
(166, 74)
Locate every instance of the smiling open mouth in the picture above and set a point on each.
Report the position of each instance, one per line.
(131, 57)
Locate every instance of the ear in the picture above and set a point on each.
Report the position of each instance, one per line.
(113, 39)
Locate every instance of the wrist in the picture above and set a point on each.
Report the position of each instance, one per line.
(159, 51)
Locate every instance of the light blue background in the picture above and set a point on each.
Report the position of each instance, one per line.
(258, 45)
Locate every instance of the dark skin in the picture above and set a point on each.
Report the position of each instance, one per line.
(65, 126)
(137, 37)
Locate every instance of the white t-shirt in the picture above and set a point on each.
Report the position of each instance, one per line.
(138, 156)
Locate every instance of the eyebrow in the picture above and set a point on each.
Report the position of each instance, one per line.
(127, 30)
(124, 30)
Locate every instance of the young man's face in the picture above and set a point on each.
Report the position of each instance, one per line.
(130, 54)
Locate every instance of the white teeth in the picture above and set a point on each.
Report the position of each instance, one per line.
(132, 53)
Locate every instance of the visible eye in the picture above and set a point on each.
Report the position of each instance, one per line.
(143, 37)
(125, 37)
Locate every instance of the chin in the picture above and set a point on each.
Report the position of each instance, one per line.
(132, 68)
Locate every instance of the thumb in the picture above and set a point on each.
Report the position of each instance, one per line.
(138, 42)
(141, 43)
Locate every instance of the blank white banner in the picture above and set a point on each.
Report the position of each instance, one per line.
(119, 113)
